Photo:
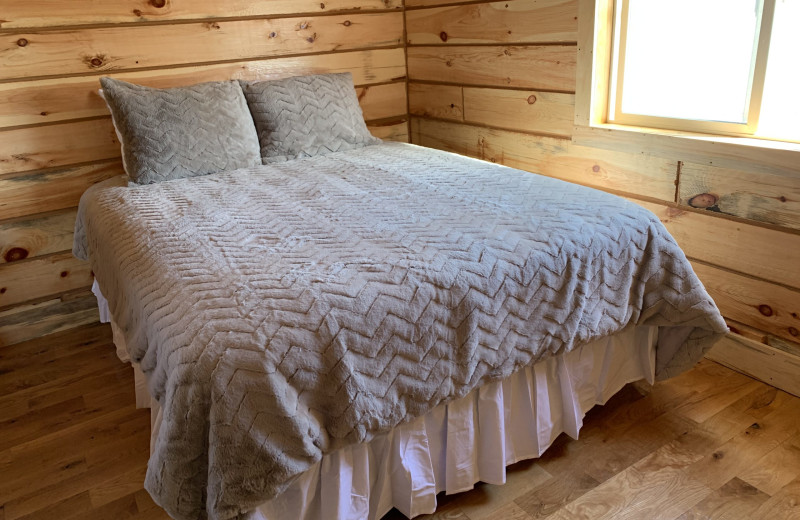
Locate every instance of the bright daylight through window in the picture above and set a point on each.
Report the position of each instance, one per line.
(714, 66)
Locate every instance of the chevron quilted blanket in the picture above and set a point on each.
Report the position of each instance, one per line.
(281, 312)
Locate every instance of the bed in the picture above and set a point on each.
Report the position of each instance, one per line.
(332, 335)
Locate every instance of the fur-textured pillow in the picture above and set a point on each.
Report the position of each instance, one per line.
(306, 116)
(181, 132)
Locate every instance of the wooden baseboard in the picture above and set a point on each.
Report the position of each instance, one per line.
(774, 366)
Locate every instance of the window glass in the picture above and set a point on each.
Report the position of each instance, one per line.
(780, 107)
(690, 59)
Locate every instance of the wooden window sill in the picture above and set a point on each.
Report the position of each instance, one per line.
(777, 157)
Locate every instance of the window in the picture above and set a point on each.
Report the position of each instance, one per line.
(712, 66)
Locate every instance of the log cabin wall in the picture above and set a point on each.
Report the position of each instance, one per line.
(494, 80)
(497, 80)
(56, 137)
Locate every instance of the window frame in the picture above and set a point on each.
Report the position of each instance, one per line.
(616, 78)
(591, 128)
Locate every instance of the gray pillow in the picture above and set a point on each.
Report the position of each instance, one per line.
(306, 116)
(181, 132)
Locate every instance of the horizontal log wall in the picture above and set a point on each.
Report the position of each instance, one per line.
(496, 80)
(56, 137)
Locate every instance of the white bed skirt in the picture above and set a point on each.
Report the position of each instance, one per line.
(453, 446)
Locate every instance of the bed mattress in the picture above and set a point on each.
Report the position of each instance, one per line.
(288, 311)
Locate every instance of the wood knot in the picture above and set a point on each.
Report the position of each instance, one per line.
(443, 36)
(794, 332)
(755, 426)
(71, 464)
(3, 290)
(782, 198)
(64, 274)
(766, 310)
(596, 168)
(273, 34)
(452, 105)
(347, 23)
(311, 39)
(531, 99)
(448, 63)
(22, 42)
(717, 455)
(15, 253)
(212, 25)
(322, 6)
(96, 62)
(507, 52)
(303, 25)
(44, 113)
(137, 12)
(158, 3)
(703, 200)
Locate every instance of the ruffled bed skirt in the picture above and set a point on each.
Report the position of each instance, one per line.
(458, 444)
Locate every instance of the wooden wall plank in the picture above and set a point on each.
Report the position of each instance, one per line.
(763, 197)
(763, 305)
(525, 110)
(773, 366)
(434, 3)
(51, 100)
(440, 101)
(747, 155)
(30, 193)
(511, 21)
(760, 336)
(110, 49)
(29, 238)
(35, 148)
(32, 321)
(560, 158)
(42, 13)
(393, 131)
(770, 254)
(547, 67)
(382, 101)
(41, 277)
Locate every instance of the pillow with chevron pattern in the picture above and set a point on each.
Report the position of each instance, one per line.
(181, 132)
(304, 116)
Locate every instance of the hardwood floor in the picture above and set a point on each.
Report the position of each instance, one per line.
(710, 443)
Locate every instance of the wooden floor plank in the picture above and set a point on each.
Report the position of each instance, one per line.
(641, 491)
(776, 469)
(743, 452)
(544, 501)
(784, 505)
(481, 503)
(736, 499)
(710, 443)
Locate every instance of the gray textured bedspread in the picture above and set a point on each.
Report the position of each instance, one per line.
(283, 311)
